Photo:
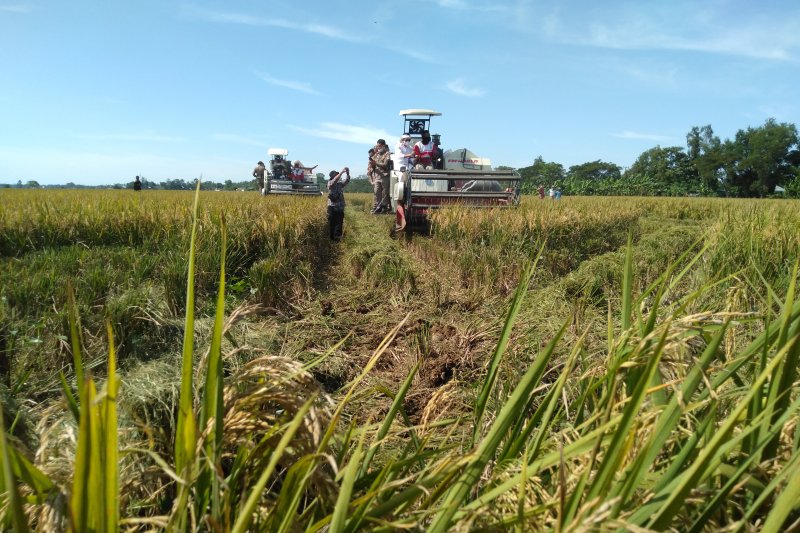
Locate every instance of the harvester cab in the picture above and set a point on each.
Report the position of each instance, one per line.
(447, 177)
(285, 177)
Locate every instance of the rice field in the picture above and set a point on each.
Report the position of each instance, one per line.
(171, 361)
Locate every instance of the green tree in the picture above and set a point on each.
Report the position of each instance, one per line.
(594, 171)
(765, 157)
(358, 184)
(540, 173)
(793, 186)
(705, 152)
(665, 171)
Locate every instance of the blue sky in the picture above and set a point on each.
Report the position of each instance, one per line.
(96, 92)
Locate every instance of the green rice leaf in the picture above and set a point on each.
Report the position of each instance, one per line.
(14, 515)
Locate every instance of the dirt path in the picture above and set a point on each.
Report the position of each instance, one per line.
(369, 284)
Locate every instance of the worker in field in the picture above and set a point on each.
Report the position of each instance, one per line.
(371, 168)
(258, 174)
(403, 153)
(540, 190)
(298, 174)
(423, 152)
(337, 181)
(137, 184)
(382, 160)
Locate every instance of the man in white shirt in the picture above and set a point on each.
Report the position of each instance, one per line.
(403, 153)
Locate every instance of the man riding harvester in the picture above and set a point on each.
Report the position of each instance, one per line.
(431, 178)
(285, 177)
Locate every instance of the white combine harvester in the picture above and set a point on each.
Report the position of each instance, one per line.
(459, 177)
(279, 178)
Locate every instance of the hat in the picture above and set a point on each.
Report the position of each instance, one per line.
(332, 174)
(296, 163)
(405, 136)
(381, 141)
(261, 163)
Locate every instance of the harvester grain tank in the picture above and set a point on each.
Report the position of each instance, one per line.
(458, 177)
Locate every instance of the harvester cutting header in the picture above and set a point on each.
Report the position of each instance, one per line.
(431, 177)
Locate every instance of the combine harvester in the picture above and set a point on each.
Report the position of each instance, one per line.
(280, 180)
(459, 177)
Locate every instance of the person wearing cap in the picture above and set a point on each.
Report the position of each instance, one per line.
(381, 159)
(336, 185)
(403, 153)
(258, 174)
(423, 152)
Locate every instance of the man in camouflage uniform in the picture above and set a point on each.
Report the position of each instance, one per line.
(381, 160)
(258, 174)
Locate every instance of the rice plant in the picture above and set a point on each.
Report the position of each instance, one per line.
(669, 401)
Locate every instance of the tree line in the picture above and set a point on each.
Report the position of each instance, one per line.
(756, 163)
(357, 184)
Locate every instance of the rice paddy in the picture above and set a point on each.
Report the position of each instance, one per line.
(179, 362)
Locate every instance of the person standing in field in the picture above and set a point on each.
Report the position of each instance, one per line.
(258, 174)
(371, 178)
(540, 190)
(337, 181)
(382, 159)
(137, 184)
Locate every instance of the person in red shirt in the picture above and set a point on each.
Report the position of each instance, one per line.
(423, 152)
(298, 174)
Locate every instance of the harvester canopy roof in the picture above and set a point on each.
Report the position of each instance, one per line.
(429, 112)
(277, 151)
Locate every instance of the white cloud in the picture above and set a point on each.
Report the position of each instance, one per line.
(237, 139)
(302, 86)
(468, 6)
(641, 136)
(658, 76)
(249, 20)
(347, 133)
(678, 28)
(413, 54)
(145, 137)
(98, 168)
(16, 8)
(459, 87)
